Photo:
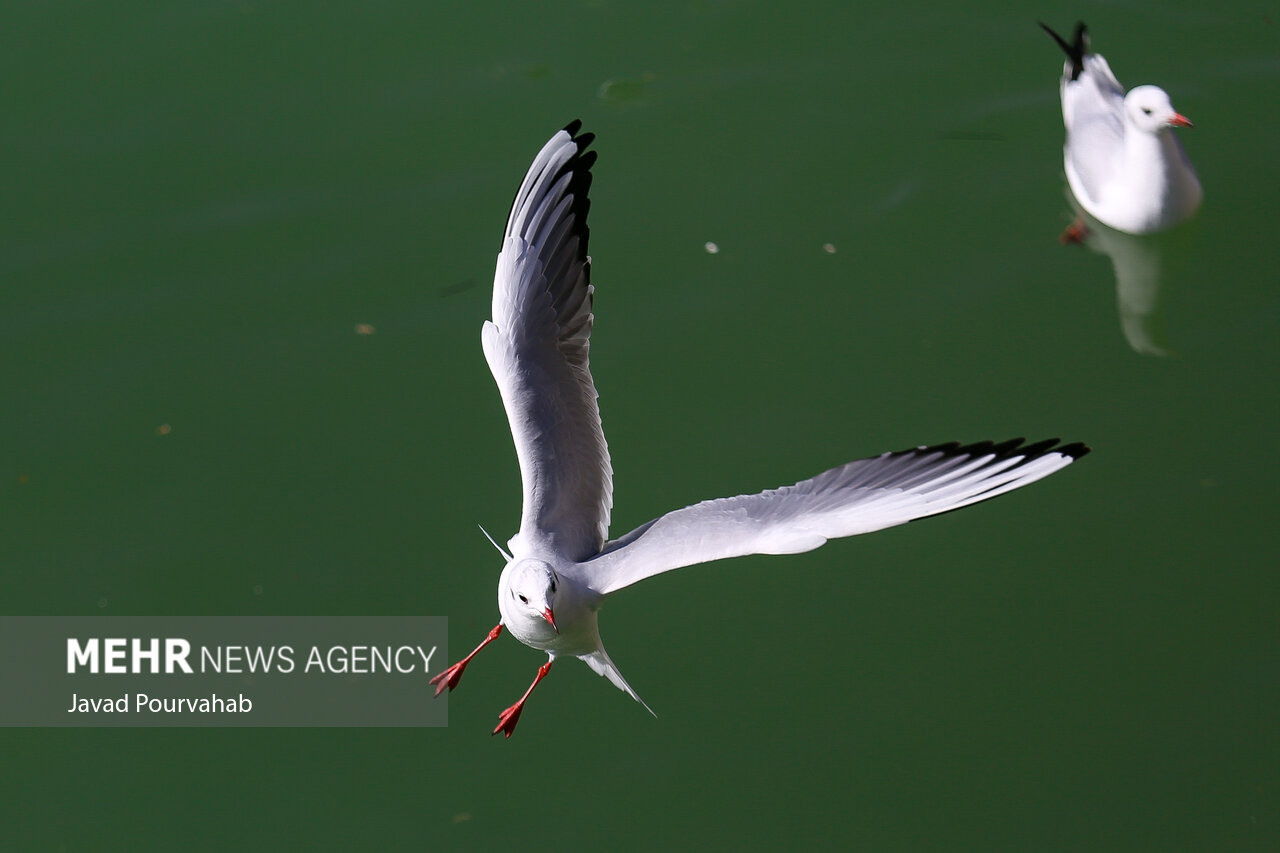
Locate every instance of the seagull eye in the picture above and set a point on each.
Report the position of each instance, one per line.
(1146, 111)
(524, 600)
(553, 586)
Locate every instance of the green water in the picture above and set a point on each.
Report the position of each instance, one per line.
(203, 201)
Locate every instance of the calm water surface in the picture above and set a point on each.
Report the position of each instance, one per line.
(209, 206)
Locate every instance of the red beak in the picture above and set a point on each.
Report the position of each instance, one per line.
(550, 617)
(1179, 120)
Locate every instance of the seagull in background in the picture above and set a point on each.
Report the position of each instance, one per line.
(1124, 163)
(561, 565)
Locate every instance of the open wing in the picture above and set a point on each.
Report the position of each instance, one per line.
(537, 346)
(862, 496)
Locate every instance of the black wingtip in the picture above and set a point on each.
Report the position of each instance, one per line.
(582, 140)
(1014, 449)
(1006, 449)
(1076, 49)
(578, 167)
(1075, 450)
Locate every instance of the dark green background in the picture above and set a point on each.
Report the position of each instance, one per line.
(202, 200)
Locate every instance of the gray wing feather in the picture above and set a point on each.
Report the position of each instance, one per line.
(1093, 113)
(537, 347)
(862, 496)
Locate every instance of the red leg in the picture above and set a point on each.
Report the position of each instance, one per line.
(507, 719)
(449, 679)
(1075, 233)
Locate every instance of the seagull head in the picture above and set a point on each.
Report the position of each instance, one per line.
(1149, 109)
(530, 590)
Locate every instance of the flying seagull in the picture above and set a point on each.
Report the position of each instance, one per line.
(1124, 163)
(562, 565)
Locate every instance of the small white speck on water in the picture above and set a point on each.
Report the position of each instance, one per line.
(711, 248)
(829, 248)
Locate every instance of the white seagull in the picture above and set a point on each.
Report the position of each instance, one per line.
(561, 565)
(1124, 164)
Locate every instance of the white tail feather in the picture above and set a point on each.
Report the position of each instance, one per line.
(600, 662)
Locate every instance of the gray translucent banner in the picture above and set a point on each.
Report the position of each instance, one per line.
(222, 671)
